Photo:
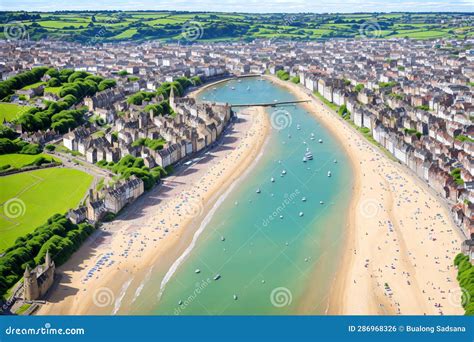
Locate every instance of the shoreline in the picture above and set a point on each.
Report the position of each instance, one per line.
(115, 290)
(379, 200)
(386, 266)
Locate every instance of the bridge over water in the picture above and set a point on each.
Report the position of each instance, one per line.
(269, 104)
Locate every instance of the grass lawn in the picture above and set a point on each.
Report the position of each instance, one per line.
(53, 90)
(9, 111)
(20, 160)
(35, 196)
(34, 85)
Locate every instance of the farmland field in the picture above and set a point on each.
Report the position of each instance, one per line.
(168, 25)
(28, 199)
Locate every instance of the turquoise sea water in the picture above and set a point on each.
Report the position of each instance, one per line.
(270, 264)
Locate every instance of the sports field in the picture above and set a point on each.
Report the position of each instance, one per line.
(28, 199)
(19, 160)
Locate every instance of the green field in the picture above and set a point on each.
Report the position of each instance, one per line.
(168, 25)
(28, 199)
(52, 90)
(34, 85)
(10, 111)
(20, 160)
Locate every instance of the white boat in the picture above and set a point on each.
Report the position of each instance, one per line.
(272, 180)
(335, 161)
(298, 127)
(283, 172)
(239, 81)
(180, 302)
(320, 141)
(275, 100)
(321, 202)
(308, 155)
(304, 159)
(301, 213)
(303, 199)
(233, 88)
(235, 297)
(197, 271)
(329, 173)
(222, 238)
(289, 136)
(281, 216)
(217, 277)
(258, 191)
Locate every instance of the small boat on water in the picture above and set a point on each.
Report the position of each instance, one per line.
(233, 88)
(222, 238)
(235, 297)
(258, 191)
(312, 136)
(329, 173)
(217, 277)
(275, 100)
(283, 172)
(272, 180)
(305, 160)
(298, 127)
(321, 202)
(308, 155)
(303, 199)
(301, 213)
(197, 271)
(320, 141)
(335, 161)
(180, 302)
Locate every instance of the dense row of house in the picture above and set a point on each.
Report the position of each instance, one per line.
(414, 96)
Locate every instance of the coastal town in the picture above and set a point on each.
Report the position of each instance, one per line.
(412, 99)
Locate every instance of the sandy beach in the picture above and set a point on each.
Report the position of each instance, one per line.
(400, 241)
(108, 271)
(398, 248)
